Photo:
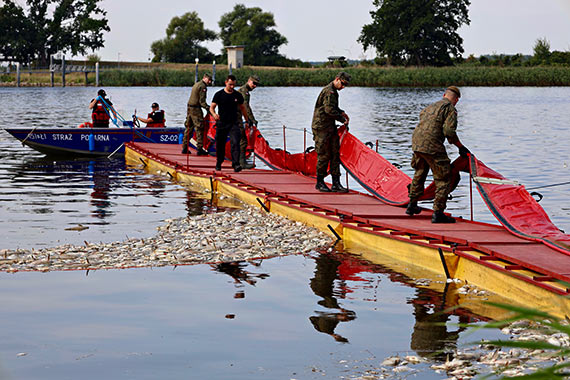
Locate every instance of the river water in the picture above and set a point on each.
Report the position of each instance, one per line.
(301, 317)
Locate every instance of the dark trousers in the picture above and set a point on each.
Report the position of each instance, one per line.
(222, 133)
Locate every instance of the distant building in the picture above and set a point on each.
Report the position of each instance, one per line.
(340, 58)
(235, 56)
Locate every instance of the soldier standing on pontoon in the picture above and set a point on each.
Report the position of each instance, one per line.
(325, 134)
(245, 90)
(194, 116)
(437, 122)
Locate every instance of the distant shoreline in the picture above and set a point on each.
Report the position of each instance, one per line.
(535, 76)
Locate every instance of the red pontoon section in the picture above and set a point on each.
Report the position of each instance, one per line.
(516, 209)
(512, 205)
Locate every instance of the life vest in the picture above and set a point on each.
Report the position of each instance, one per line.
(99, 115)
(153, 116)
(86, 125)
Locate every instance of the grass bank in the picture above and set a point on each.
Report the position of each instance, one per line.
(362, 76)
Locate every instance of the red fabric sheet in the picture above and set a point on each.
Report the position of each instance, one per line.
(517, 210)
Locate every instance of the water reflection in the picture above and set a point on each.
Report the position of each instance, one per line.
(339, 274)
(430, 337)
(237, 271)
(323, 285)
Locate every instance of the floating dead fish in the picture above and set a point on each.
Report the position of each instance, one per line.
(79, 227)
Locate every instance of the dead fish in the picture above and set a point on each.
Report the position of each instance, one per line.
(79, 227)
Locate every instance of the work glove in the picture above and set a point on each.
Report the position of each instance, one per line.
(463, 151)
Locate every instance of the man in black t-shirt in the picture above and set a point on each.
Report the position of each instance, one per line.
(227, 123)
(155, 119)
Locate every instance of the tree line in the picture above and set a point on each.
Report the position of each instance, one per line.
(402, 33)
(252, 27)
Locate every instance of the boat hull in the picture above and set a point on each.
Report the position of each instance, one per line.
(91, 141)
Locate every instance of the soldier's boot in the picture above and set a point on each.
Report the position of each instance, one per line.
(321, 185)
(185, 150)
(202, 152)
(440, 217)
(243, 163)
(336, 186)
(413, 208)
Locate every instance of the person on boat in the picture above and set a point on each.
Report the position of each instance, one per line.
(325, 134)
(155, 119)
(101, 107)
(194, 117)
(227, 123)
(245, 90)
(438, 121)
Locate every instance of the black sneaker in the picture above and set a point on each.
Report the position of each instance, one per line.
(202, 152)
(440, 217)
(237, 168)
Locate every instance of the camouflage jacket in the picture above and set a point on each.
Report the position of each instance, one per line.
(244, 91)
(198, 96)
(326, 109)
(437, 122)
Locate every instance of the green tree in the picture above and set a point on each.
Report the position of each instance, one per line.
(541, 50)
(15, 33)
(253, 28)
(419, 32)
(184, 35)
(52, 26)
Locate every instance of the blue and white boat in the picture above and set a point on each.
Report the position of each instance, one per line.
(92, 141)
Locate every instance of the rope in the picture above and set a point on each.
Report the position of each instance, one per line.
(114, 116)
(108, 107)
(554, 184)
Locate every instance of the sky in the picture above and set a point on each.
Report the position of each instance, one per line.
(316, 29)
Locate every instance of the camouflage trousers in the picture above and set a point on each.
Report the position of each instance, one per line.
(441, 169)
(327, 145)
(194, 122)
(242, 142)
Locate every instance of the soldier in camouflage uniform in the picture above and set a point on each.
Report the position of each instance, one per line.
(325, 133)
(244, 90)
(437, 122)
(194, 116)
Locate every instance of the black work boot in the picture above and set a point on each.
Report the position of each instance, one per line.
(336, 186)
(202, 152)
(440, 217)
(243, 163)
(321, 185)
(185, 150)
(413, 208)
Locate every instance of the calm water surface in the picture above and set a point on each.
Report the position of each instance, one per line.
(295, 317)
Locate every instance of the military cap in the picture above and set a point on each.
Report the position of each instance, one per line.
(255, 79)
(344, 77)
(455, 90)
(207, 75)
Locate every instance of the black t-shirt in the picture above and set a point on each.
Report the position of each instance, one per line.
(228, 105)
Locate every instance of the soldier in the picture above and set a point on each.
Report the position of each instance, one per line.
(244, 90)
(194, 116)
(437, 122)
(325, 133)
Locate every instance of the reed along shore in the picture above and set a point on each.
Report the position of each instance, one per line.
(542, 76)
